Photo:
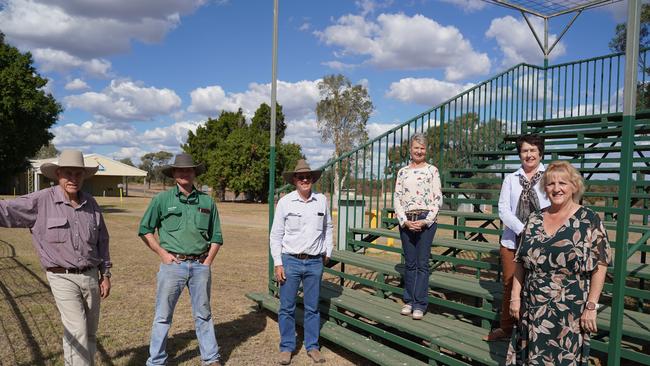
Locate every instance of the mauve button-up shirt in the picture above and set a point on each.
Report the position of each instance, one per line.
(63, 236)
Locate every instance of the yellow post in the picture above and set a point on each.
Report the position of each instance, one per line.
(120, 196)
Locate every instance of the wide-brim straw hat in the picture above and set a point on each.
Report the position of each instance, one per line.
(183, 161)
(68, 159)
(302, 167)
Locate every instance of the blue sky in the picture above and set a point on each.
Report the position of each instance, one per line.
(135, 76)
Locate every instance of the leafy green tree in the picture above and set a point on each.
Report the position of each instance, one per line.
(261, 121)
(618, 44)
(153, 163)
(456, 140)
(47, 151)
(207, 146)
(237, 154)
(127, 161)
(26, 111)
(248, 149)
(342, 115)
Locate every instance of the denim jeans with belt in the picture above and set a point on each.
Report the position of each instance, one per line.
(172, 279)
(417, 251)
(310, 273)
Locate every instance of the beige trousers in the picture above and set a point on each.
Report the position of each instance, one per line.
(77, 298)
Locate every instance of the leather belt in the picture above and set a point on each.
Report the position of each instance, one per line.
(190, 257)
(306, 256)
(414, 215)
(69, 270)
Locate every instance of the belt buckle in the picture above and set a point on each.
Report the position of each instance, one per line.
(181, 257)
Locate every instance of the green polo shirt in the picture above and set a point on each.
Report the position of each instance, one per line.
(186, 225)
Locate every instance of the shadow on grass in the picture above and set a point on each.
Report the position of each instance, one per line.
(28, 306)
(112, 209)
(229, 336)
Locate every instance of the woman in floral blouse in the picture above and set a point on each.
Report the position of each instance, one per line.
(561, 264)
(417, 200)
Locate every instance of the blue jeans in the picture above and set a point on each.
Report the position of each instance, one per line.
(172, 279)
(417, 250)
(310, 272)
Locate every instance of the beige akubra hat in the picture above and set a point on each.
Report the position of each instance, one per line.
(68, 159)
(302, 167)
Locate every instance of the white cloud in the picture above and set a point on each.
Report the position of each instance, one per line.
(370, 6)
(426, 91)
(61, 61)
(129, 142)
(169, 136)
(297, 99)
(47, 88)
(305, 133)
(468, 6)
(134, 153)
(395, 41)
(92, 133)
(376, 129)
(338, 65)
(79, 33)
(304, 27)
(517, 42)
(76, 84)
(125, 100)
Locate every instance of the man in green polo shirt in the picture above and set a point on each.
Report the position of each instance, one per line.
(189, 237)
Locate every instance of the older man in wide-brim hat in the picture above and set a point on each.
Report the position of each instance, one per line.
(301, 243)
(70, 237)
(189, 237)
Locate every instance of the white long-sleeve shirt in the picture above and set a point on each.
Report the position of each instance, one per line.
(508, 200)
(301, 227)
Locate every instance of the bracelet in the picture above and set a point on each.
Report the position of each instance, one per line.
(513, 300)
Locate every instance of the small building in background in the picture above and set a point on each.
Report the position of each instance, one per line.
(110, 176)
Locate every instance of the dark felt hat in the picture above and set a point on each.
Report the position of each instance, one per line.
(183, 161)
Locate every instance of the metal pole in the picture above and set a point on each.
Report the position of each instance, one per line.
(625, 181)
(274, 86)
(545, 67)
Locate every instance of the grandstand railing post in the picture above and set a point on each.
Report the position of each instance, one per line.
(625, 182)
(442, 137)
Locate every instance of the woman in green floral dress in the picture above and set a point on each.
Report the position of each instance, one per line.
(561, 264)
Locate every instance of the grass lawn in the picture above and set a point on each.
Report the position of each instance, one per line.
(30, 328)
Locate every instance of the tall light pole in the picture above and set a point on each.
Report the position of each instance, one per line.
(274, 86)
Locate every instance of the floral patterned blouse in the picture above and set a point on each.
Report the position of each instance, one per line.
(418, 189)
(558, 272)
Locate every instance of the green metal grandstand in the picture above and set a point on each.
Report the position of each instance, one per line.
(584, 111)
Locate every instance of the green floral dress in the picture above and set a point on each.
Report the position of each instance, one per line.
(558, 270)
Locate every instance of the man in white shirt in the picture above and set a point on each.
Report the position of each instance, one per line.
(301, 243)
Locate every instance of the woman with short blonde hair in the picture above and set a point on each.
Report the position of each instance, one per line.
(561, 264)
(417, 200)
(571, 173)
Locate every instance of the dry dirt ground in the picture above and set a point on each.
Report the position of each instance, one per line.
(30, 329)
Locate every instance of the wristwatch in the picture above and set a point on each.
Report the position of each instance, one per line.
(592, 305)
(107, 273)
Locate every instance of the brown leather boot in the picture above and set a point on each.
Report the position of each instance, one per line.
(316, 356)
(285, 358)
